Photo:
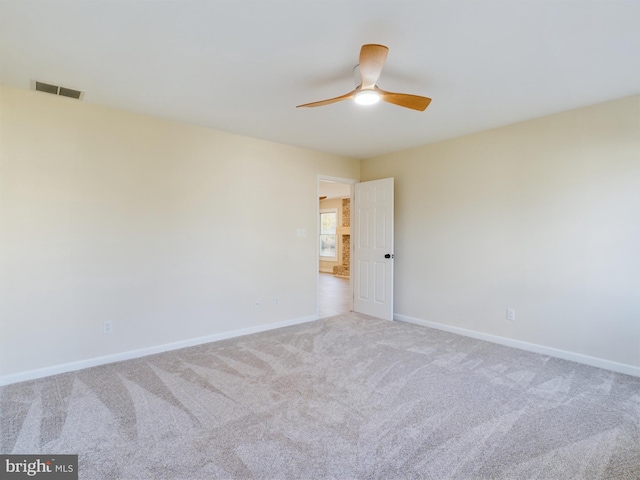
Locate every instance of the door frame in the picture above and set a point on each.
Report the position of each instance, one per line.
(351, 182)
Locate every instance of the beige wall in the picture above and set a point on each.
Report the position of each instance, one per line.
(160, 227)
(542, 216)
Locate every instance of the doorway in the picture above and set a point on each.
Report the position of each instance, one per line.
(334, 285)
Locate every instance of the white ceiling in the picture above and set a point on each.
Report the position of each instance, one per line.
(333, 190)
(242, 66)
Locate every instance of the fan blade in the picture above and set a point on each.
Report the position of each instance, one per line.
(414, 102)
(372, 58)
(346, 96)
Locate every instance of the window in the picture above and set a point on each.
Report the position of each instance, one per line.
(328, 237)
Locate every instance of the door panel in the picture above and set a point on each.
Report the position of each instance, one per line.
(373, 217)
(362, 278)
(380, 277)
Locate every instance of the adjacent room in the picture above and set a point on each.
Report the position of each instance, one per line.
(285, 240)
(334, 280)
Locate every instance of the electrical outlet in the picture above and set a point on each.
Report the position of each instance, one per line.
(276, 301)
(257, 303)
(107, 327)
(511, 314)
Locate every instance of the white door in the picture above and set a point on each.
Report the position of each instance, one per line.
(373, 248)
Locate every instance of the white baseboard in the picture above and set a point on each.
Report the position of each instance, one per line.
(118, 357)
(530, 347)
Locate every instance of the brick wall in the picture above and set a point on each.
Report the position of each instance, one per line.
(344, 269)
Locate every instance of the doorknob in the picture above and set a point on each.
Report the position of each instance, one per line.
(388, 255)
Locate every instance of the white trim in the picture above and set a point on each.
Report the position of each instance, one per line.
(119, 357)
(328, 178)
(530, 347)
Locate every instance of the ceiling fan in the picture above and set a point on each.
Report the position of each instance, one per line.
(372, 58)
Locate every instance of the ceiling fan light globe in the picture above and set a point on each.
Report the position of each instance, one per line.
(367, 97)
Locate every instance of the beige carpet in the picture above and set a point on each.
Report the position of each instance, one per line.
(345, 397)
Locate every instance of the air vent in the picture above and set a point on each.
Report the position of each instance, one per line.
(45, 87)
(56, 90)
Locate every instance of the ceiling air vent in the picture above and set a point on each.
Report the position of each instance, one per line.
(56, 90)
